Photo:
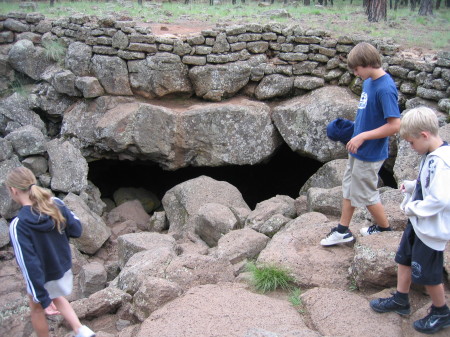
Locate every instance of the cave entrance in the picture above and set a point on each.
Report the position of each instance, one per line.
(284, 174)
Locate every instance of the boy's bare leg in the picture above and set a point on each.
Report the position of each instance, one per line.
(68, 313)
(437, 294)
(403, 278)
(347, 212)
(378, 214)
(38, 319)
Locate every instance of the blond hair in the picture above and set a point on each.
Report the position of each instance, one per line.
(23, 179)
(363, 55)
(418, 120)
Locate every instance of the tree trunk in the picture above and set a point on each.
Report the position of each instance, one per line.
(306, 2)
(140, 2)
(52, 3)
(413, 5)
(438, 4)
(377, 10)
(426, 7)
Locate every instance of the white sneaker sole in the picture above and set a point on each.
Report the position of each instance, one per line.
(326, 244)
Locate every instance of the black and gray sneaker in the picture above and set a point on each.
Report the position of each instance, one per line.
(390, 304)
(374, 229)
(433, 322)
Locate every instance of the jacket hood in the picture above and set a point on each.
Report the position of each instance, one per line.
(443, 152)
(32, 219)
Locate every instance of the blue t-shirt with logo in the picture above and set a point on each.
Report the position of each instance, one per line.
(377, 103)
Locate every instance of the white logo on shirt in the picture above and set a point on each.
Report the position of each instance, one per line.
(363, 101)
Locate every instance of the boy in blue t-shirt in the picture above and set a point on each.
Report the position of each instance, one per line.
(378, 118)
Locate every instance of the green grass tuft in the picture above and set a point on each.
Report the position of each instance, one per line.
(54, 50)
(295, 299)
(266, 278)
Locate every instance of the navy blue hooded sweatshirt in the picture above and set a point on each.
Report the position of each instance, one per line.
(42, 253)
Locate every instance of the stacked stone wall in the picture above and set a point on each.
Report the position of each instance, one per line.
(276, 60)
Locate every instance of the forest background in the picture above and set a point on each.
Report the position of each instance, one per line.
(419, 25)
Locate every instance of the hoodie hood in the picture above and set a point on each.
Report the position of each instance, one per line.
(34, 220)
(443, 152)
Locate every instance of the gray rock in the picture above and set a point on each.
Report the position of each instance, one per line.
(263, 219)
(90, 87)
(130, 210)
(95, 231)
(92, 278)
(324, 302)
(37, 164)
(4, 233)
(130, 244)
(16, 112)
(373, 264)
(241, 244)
(103, 302)
(215, 82)
(27, 140)
(158, 222)
(92, 197)
(159, 75)
(15, 25)
(302, 121)
(28, 59)
(273, 86)
(227, 307)
(153, 294)
(8, 207)
(67, 166)
(182, 202)
(308, 82)
(47, 99)
(6, 149)
(112, 72)
(64, 83)
(328, 176)
(221, 44)
(214, 220)
(324, 200)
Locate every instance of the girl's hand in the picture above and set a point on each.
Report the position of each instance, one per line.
(51, 310)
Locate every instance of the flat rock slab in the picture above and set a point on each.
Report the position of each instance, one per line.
(226, 309)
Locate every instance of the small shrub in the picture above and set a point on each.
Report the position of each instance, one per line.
(268, 278)
(54, 50)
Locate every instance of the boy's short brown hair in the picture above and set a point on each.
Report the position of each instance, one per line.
(363, 55)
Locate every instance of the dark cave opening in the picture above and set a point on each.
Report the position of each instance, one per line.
(285, 173)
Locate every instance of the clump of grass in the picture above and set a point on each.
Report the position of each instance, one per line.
(267, 278)
(54, 50)
(296, 301)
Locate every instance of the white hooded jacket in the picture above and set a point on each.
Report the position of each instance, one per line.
(430, 217)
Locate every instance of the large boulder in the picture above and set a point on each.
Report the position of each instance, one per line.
(183, 202)
(15, 112)
(130, 210)
(27, 140)
(239, 132)
(302, 121)
(296, 248)
(325, 200)
(29, 59)
(274, 86)
(224, 310)
(324, 304)
(67, 166)
(159, 75)
(328, 176)
(373, 264)
(45, 98)
(95, 232)
(215, 82)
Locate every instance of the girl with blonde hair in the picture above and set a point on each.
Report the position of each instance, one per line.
(40, 236)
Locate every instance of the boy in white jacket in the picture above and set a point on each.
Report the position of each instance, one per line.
(420, 256)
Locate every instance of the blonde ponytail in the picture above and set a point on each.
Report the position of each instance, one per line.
(24, 180)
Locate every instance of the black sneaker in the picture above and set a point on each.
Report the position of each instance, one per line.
(390, 305)
(433, 322)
